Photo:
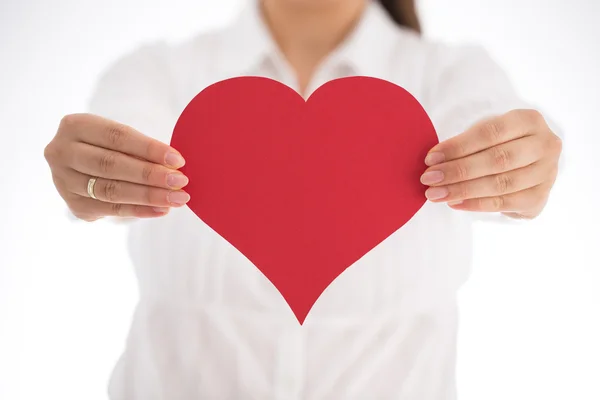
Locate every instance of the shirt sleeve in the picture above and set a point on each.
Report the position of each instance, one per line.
(469, 86)
(138, 90)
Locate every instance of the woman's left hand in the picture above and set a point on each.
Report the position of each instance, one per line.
(506, 164)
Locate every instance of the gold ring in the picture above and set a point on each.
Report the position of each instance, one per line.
(90, 188)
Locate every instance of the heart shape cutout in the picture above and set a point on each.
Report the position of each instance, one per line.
(304, 189)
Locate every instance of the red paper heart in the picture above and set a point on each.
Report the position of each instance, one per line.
(304, 188)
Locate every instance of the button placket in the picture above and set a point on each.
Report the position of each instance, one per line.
(290, 365)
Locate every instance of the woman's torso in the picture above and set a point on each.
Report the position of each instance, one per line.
(209, 325)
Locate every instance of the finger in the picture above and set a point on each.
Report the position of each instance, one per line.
(513, 202)
(113, 191)
(90, 209)
(505, 157)
(485, 134)
(109, 164)
(492, 185)
(101, 132)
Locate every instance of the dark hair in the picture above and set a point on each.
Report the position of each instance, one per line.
(403, 12)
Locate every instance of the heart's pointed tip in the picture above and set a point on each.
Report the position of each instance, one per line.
(301, 312)
(301, 317)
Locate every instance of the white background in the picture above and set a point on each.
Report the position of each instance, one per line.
(530, 324)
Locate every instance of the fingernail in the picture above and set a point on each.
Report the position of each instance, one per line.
(177, 180)
(174, 160)
(454, 203)
(434, 158)
(431, 177)
(436, 193)
(161, 210)
(178, 198)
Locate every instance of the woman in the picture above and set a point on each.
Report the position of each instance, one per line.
(208, 324)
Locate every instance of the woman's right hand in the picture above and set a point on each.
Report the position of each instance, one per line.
(136, 175)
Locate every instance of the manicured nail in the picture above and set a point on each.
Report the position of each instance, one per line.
(178, 198)
(174, 160)
(454, 203)
(432, 177)
(161, 210)
(434, 158)
(177, 180)
(436, 193)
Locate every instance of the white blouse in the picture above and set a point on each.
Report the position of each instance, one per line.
(209, 325)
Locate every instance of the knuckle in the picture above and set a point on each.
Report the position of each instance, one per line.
(77, 206)
(493, 130)
(542, 191)
(460, 147)
(461, 171)
(68, 122)
(497, 203)
(116, 209)
(538, 203)
(478, 204)
(107, 162)
(534, 203)
(116, 135)
(112, 190)
(541, 203)
(77, 214)
(555, 144)
(501, 157)
(55, 152)
(462, 191)
(532, 117)
(59, 183)
(80, 208)
(148, 171)
(503, 183)
(51, 152)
